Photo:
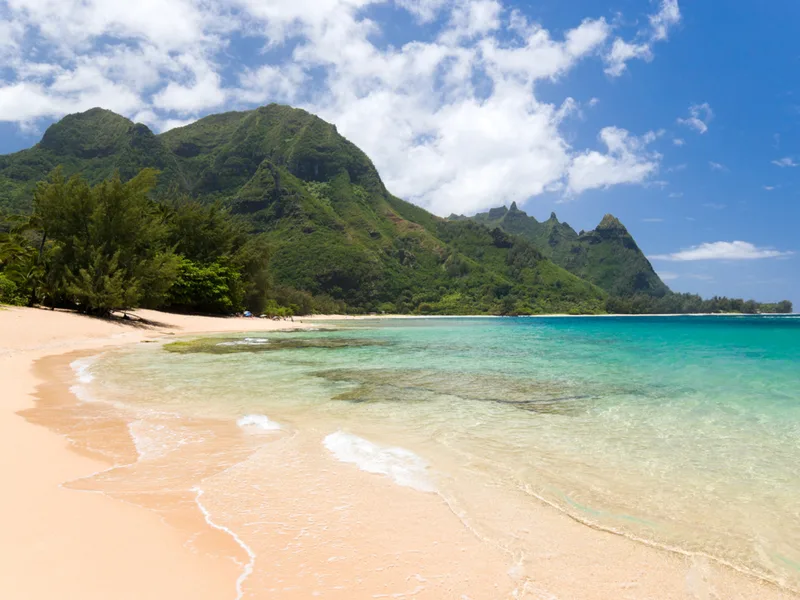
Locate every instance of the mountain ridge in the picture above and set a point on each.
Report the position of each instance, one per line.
(607, 256)
(332, 227)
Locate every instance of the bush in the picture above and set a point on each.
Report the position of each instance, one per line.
(9, 293)
(210, 288)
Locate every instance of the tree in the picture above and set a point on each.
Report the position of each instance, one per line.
(226, 267)
(108, 242)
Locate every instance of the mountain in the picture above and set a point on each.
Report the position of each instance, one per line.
(332, 227)
(607, 256)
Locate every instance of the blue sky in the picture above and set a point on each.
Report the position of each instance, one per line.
(681, 118)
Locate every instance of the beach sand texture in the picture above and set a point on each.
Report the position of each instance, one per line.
(132, 540)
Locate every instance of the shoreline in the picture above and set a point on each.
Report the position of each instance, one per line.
(157, 563)
(58, 543)
(547, 316)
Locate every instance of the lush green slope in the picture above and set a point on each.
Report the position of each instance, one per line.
(94, 143)
(607, 256)
(332, 227)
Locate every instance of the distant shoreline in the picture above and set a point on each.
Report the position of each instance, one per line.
(547, 316)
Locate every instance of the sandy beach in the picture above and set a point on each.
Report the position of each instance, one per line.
(61, 542)
(58, 543)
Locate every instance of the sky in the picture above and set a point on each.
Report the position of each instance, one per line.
(680, 118)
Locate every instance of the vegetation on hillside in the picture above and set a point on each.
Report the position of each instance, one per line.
(269, 210)
(672, 303)
(608, 256)
(112, 246)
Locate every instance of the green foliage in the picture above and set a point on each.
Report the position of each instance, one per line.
(607, 256)
(107, 244)
(690, 303)
(272, 210)
(9, 293)
(210, 288)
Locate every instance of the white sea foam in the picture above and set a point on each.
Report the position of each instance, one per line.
(154, 440)
(261, 422)
(246, 342)
(83, 374)
(248, 568)
(81, 368)
(403, 466)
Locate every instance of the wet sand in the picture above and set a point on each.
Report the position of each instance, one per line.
(58, 543)
(264, 516)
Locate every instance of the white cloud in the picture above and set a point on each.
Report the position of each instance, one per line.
(627, 161)
(667, 276)
(723, 251)
(769, 188)
(452, 121)
(203, 91)
(676, 195)
(700, 116)
(679, 141)
(622, 52)
(786, 162)
(424, 10)
(715, 166)
(715, 206)
(475, 18)
(667, 17)
(269, 81)
(541, 57)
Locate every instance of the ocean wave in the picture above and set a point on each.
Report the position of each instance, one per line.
(81, 367)
(258, 422)
(155, 440)
(84, 376)
(402, 466)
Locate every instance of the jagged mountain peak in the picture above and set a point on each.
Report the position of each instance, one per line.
(607, 256)
(609, 221)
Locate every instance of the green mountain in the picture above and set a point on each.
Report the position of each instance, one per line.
(606, 256)
(331, 226)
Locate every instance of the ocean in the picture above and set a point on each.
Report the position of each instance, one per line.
(676, 433)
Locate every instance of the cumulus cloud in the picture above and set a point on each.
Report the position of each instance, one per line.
(626, 161)
(700, 116)
(622, 52)
(715, 166)
(723, 251)
(451, 119)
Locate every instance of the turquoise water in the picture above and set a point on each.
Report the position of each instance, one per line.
(680, 432)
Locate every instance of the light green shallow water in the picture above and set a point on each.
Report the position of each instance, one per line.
(683, 432)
